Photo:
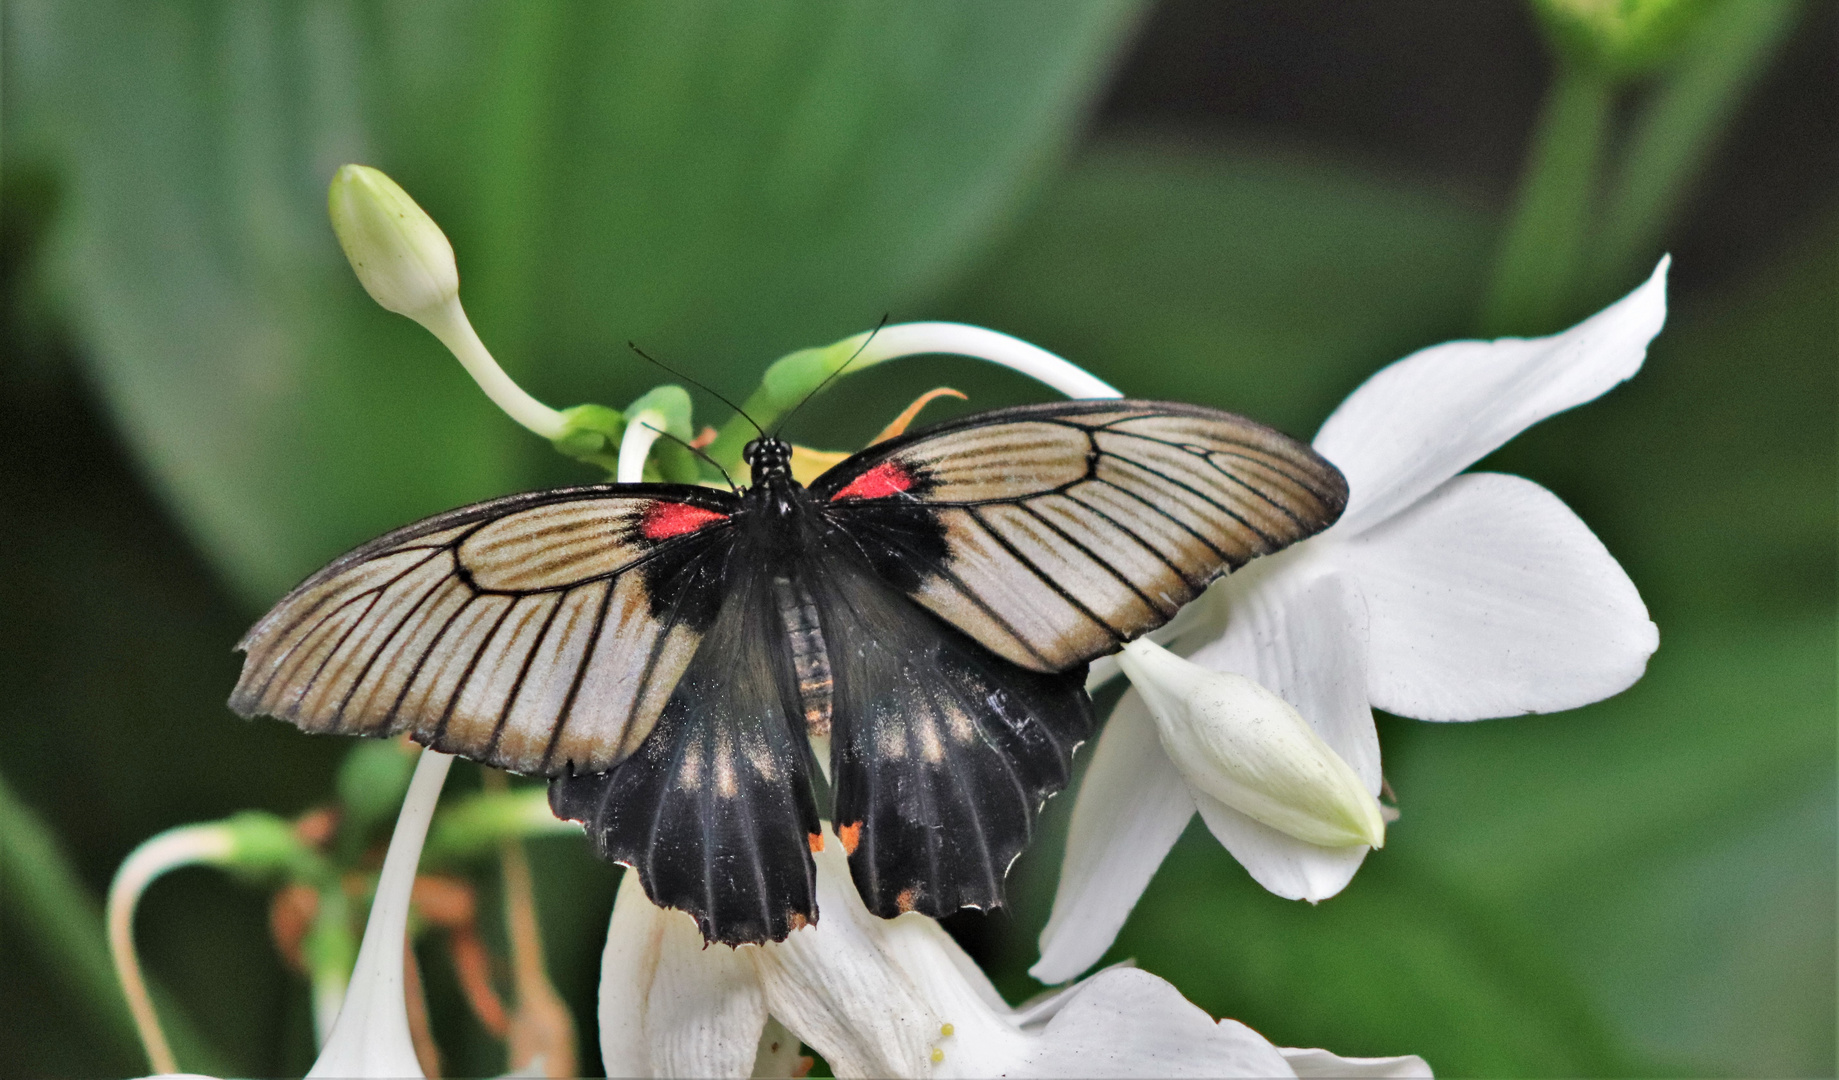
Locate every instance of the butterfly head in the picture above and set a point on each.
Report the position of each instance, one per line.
(769, 457)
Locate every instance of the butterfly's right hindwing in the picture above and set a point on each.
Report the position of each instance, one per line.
(941, 751)
(532, 632)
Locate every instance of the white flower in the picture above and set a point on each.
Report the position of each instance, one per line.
(1437, 596)
(898, 997)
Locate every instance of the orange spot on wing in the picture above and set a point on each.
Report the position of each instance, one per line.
(887, 478)
(906, 898)
(664, 520)
(850, 835)
(798, 920)
(816, 840)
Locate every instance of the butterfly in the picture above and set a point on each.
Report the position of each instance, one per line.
(693, 669)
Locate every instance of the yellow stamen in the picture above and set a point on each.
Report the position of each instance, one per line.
(809, 464)
(901, 422)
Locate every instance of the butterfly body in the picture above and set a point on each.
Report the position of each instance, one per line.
(665, 654)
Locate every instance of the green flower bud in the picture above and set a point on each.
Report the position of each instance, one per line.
(1622, 37)
(400, 254)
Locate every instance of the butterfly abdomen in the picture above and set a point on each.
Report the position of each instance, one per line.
(810, 654)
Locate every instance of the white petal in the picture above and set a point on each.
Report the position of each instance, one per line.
(1491, 598)
(1240, 742)
(1312, 1063)
(371, 1035)
(1301, 630)
(838, 989)
(1284, 865)
(705, 1012)
(627, 965)
(778, 1056)
(669, 1006)
(1429, 416)
(1131, 809)
(1127, 1022)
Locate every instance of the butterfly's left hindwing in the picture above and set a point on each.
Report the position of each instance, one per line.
(528, 632)
(714, 812)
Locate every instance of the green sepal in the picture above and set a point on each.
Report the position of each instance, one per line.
(788, 381)
(476, 824)
(265, 847)
(593, 435)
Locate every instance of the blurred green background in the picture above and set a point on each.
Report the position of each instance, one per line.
(1251, 204)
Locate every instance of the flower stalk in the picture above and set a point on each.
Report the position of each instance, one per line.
(796, 376)
(371, 1036)
(188, 845)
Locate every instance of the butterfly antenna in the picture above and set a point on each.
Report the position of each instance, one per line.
(697, 450)
(787, 418)
(699, 385)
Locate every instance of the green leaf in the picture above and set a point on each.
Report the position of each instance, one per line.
(721, 181)
(1265, 283)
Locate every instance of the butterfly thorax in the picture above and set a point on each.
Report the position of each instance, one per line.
(774, 507)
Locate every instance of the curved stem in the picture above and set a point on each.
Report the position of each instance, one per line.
(187, 845)
(450, 324)
(981, 343)
(635, 446)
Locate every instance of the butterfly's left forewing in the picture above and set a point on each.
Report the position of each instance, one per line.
(528, 632)
(1055, 533)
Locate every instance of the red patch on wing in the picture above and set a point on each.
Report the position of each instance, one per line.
(887, 478)
(664, 520)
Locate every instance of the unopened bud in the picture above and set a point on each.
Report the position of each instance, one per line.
(400, 254)
(1245, 746)
(406, 264)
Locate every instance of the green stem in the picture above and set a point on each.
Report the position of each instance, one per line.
(1677, 130)
(1541, 255)
(53, 909)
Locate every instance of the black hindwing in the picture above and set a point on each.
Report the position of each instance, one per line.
(941, 752)
(714, 811)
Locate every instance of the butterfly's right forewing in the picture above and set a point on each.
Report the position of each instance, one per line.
(531, 632)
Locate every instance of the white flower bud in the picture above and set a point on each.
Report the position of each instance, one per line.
(400, 254)
(1245, 746)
